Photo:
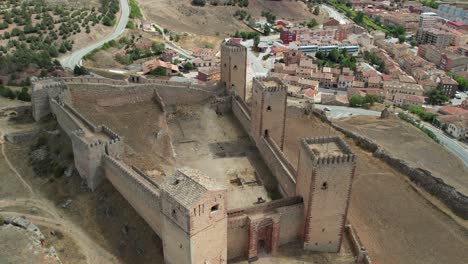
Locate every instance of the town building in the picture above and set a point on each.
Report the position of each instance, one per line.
(428, 20)
(449, 86)
(407, 100)
(391, 88)
(206, 74)
(170, 69)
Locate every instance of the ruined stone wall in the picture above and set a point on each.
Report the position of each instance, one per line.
(40, 103)
(143, 195)
(434, 185)
(280, 169)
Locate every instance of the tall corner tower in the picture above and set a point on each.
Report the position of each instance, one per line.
(195, 219)
(269, 99)
(324, 178)
(234, 68)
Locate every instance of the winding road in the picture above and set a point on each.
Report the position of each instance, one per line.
(73, 59)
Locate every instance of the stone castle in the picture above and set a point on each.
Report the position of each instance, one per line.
(188, 210)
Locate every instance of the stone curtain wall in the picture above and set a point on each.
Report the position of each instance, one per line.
(291, 224)
(171, 92)
(242, 115)
(238, 237)
(67, 123)
(453, 199)
(143, 195)
(92, 80)
(280, 170)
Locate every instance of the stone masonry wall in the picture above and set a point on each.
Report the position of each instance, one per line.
(241, 115)
(455, 200)
(238, 237)
(143, 195)
(67, 123)
(291, 223)
(280, 170)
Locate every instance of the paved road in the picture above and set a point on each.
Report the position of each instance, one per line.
(335, 14)
(75, 57)
(456, 147)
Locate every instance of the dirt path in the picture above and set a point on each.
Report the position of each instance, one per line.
(26, 185)
(93, 252)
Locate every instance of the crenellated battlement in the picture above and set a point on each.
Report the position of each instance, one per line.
(328, 150)
(114, 137)
(270, 84)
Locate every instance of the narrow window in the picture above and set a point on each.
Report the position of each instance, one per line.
(266, 132)
(214, 208)
(324, 185)
(268, 108)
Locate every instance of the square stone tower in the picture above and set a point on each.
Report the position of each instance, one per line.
(269, 109)
(325, 173)
(195, 219)
(234, 67)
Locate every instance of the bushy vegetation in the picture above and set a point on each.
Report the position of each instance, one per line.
(357, 17)
(135, 11)
(430, 3)
(159, 71)
(246, 35)
(462, 83)
(423, 114)
(109, 9)
(22, 95)
(271, 18)
(336, 58)
(436, 96)
(240, 3)
(364, 101)
(418, 124)
(373, 59)
(133, 53)
(241, 14)
(199, 2)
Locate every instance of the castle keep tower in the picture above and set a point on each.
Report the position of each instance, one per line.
(234, 67)
(269, 109)
(195, 219)
(325, 173)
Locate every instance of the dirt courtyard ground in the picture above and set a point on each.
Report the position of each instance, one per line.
(218, 147)
(147, 143)
(395, 223)
(407, 142)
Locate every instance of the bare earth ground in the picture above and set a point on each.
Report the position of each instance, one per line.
(96, 227)
(394, 222)
(181, 16)
(219, 148)
(407, 142)
(146, 145)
